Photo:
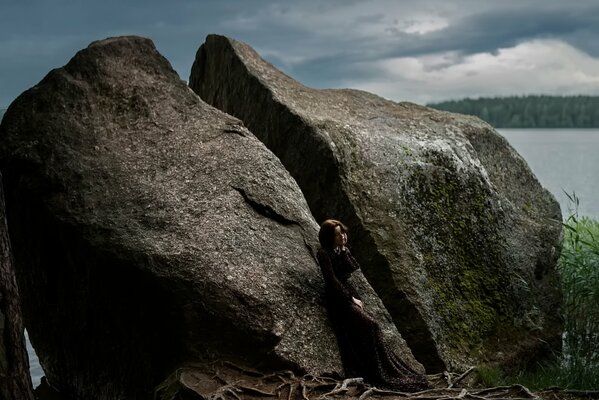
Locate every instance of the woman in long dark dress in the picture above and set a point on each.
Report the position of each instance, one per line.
(363, 350)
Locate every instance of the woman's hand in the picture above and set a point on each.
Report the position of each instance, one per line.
(340, 249)
(358, 302)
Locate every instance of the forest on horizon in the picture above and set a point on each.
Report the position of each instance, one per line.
(524, 111)
(529, 111)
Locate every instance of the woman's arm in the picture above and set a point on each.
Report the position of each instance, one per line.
(352, 266)
(350, 260)
(329, 276)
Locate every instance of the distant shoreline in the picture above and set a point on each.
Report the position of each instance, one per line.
(547, 112)
(522, 112)
(564, 161)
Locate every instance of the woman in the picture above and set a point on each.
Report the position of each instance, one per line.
(363, 350)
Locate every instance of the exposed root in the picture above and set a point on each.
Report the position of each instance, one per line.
(304, 394)
(228, 381)
(343, 386)
(461, 377)
(447, 377)
(246, 371)
(253, 390)
(376, 390)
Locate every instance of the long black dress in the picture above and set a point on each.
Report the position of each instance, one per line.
(363, 350)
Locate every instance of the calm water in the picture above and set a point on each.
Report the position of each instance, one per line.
(34, 364)
(562, 159)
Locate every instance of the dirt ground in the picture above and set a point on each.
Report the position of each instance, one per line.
(224, 381)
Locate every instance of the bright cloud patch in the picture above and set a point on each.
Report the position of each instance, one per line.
(539, 66)
(317, 29)
(357, 19)
(422, 26)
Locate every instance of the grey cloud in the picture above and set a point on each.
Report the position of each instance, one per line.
(474, 33)
(486, 32)
(177, 28)
(180, 26)
(505, 28)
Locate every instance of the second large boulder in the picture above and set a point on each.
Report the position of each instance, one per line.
(453, 230)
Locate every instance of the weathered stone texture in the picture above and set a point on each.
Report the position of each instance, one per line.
(453, 230)
(151, 229)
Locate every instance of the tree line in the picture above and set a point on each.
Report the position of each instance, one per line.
(524, 111)
(529, 111)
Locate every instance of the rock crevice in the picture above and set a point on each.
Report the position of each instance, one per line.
(150, 227)
(444, 213)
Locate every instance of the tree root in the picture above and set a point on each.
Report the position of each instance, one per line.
(461, 377)
(228, 381)
(343, 386)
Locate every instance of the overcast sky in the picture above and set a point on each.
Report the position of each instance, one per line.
(420, 50)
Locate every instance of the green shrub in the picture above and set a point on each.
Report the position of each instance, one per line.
(577, 367)
(579, 271)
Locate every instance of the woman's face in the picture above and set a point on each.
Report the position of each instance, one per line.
(340, 237)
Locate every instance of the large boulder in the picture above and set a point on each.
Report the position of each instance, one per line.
(453, 230)
(151, 229)
(15, 380)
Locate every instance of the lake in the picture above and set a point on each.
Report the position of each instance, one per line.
(562, 159)
(34, 365)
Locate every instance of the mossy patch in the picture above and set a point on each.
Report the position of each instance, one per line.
(458, 238)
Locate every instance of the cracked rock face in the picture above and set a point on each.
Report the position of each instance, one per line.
(150, 228)
(452, 229)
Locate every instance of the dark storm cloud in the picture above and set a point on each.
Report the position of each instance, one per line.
(487, 32)
(322, 44)
(38, 35)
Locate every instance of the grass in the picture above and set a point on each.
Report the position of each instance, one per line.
(577, 367)
(579, 271)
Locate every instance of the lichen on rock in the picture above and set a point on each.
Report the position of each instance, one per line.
(151, 229)
(453, 230)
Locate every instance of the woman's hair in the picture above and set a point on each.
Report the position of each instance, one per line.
(326, 236)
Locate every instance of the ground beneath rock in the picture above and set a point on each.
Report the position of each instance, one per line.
(227, 381)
